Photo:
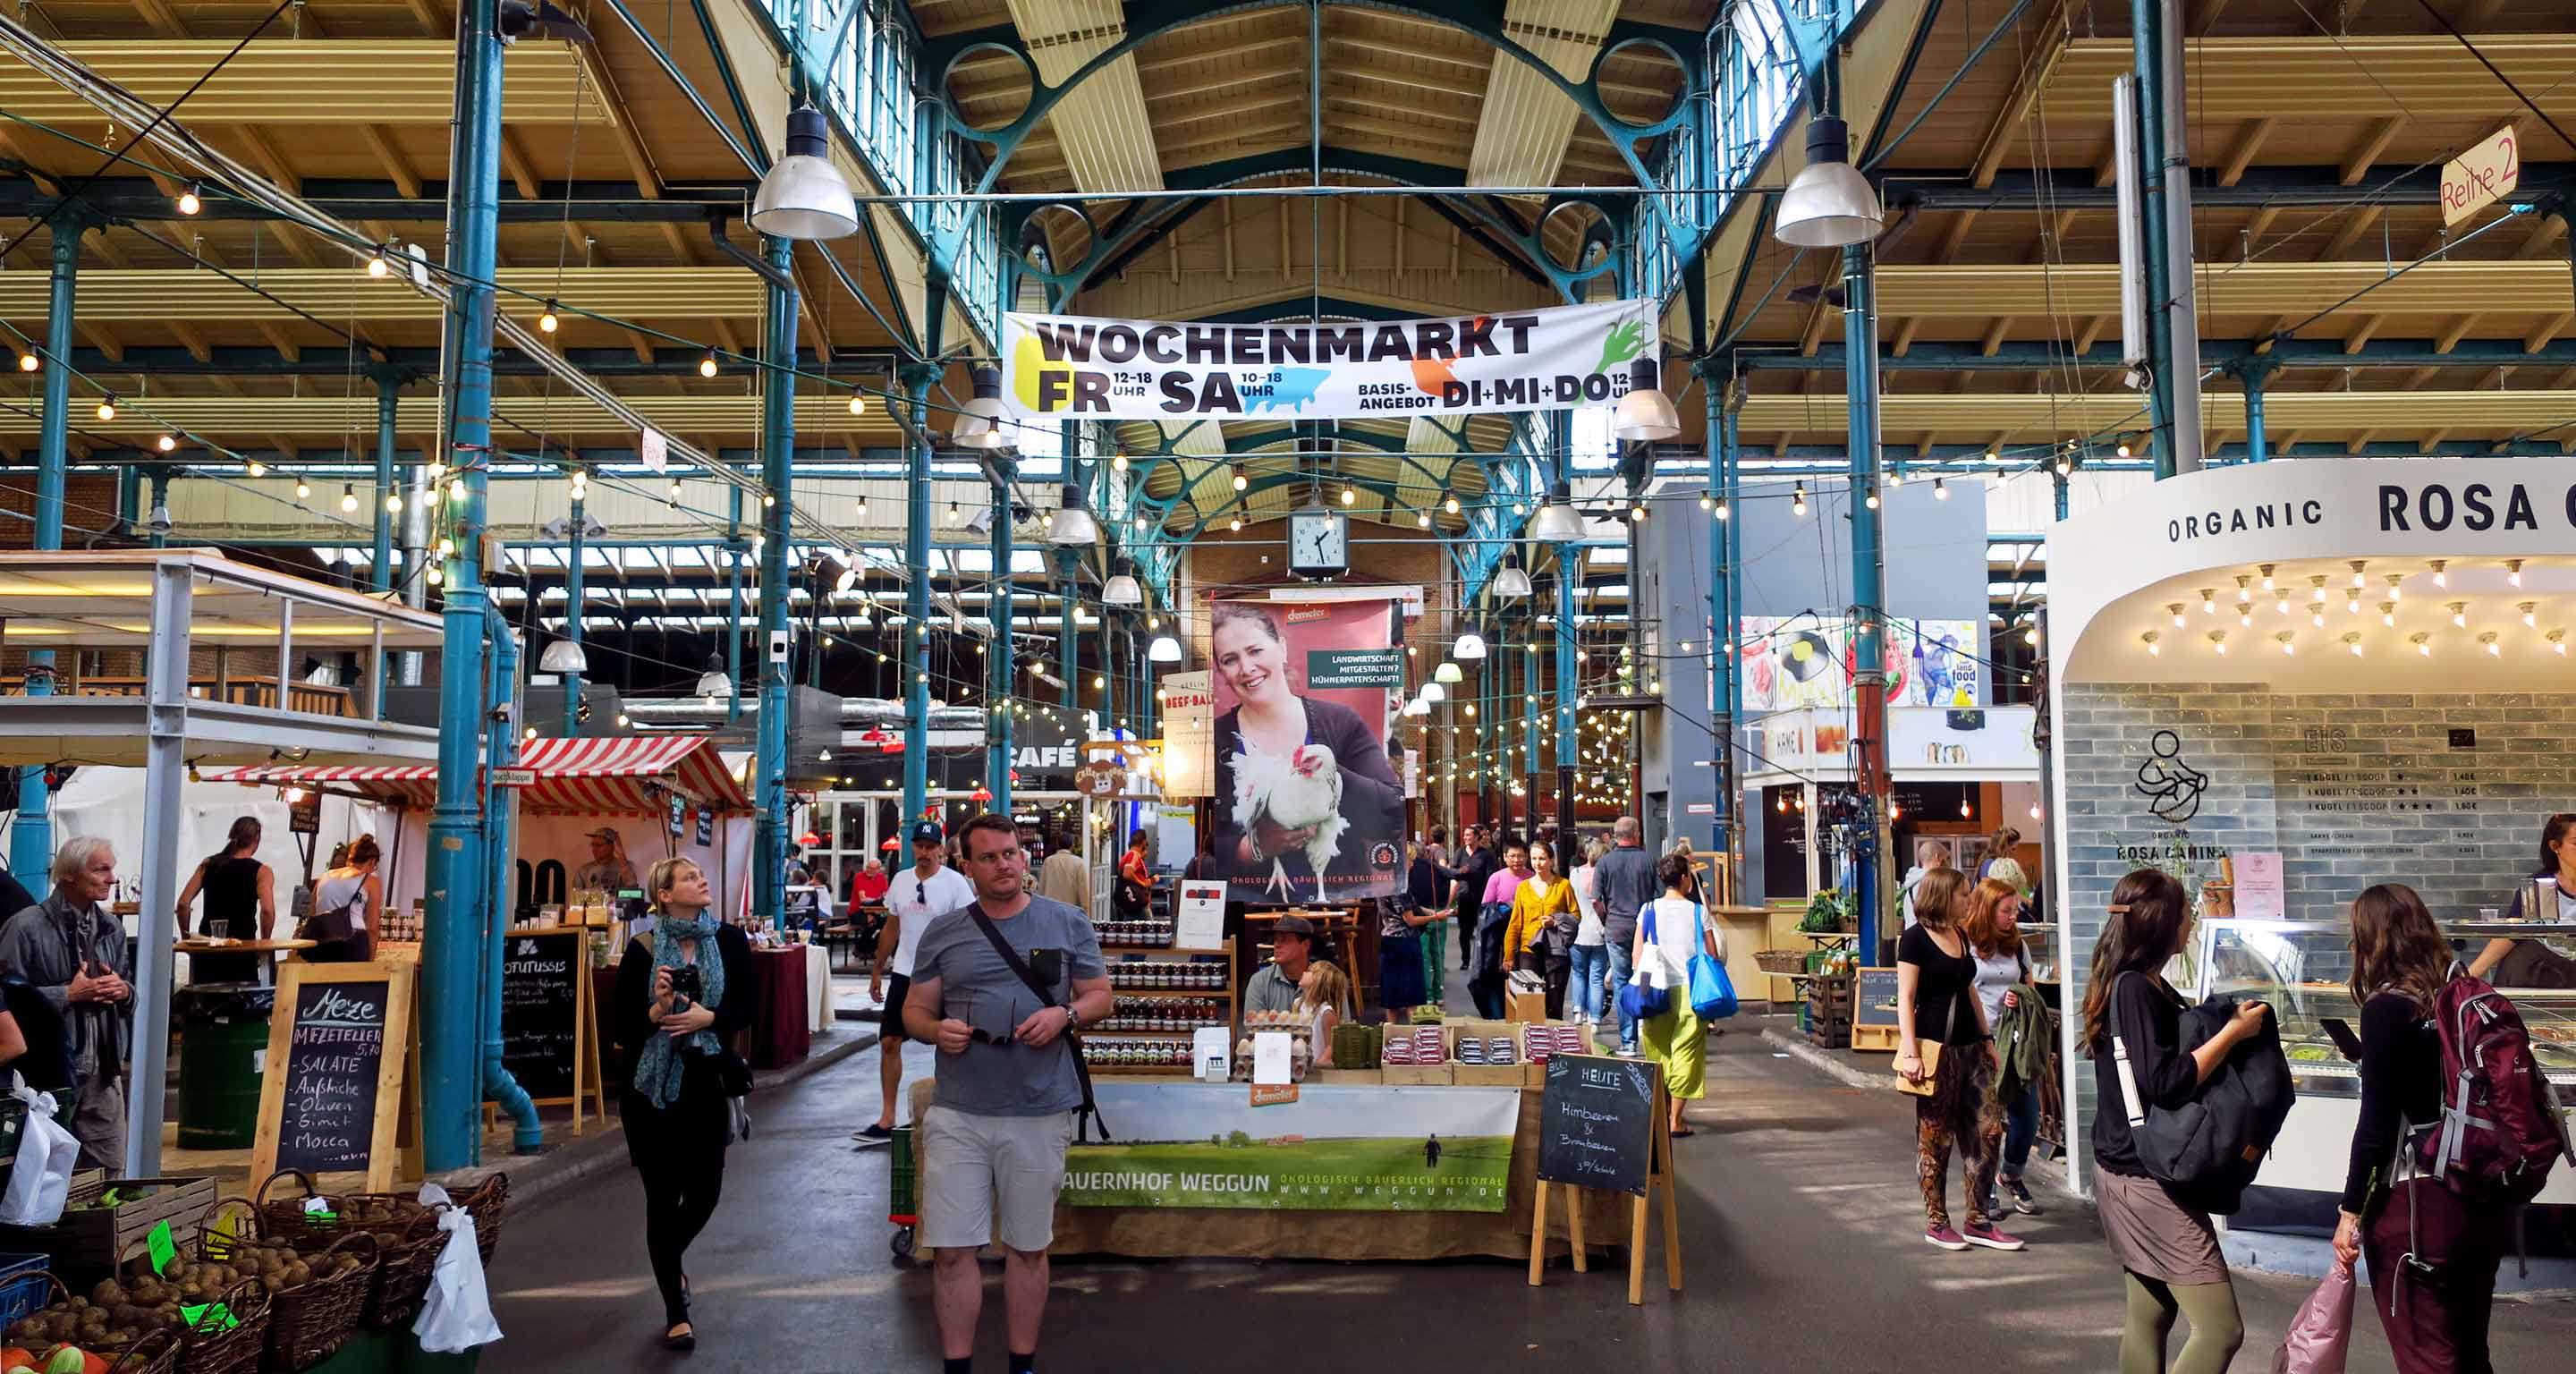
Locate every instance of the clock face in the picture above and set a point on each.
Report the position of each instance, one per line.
(1318, 542)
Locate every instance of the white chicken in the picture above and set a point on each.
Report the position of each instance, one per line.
(1298, 792)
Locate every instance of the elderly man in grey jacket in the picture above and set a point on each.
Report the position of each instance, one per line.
(72, 949)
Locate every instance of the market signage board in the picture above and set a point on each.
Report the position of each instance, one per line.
(1337, 668)
(1335, 1147)
(1596, 1122)
(1201, 921)
(341, 1094)
(541, 982)
(1877, 1002)
(1189, 723)
(1083, 367)
(2262, 894)
(2481, 176)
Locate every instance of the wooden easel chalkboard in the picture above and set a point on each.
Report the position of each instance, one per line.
(1874, 1024)
(1603, 1123)
(340, 1086)
(547, 1039)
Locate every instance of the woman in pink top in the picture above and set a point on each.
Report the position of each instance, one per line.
(1492, 961)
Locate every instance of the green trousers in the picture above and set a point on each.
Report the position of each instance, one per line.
(1435, 958)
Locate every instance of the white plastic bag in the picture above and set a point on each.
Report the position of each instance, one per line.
(42, 1179)
(457, 1312)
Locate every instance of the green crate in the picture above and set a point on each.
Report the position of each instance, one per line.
(903, 1200)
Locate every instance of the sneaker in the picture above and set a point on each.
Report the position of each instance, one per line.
(2022, 1201)
(1627, 1051)
(1988, 1237)
(873, 1135)
(1943, 1237)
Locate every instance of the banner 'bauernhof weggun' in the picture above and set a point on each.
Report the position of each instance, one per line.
(1085, 368)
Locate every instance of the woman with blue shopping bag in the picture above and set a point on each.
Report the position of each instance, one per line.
(1680, 960)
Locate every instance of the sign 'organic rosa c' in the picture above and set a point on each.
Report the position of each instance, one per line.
(1086, 368)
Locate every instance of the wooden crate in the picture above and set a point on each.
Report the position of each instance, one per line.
(1487, 1075)
(92, 1239)
(1371, 1077)
(1416, 1076)
(1878, 1038)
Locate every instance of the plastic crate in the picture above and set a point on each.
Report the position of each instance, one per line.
(23, 1286)
(903, 1202)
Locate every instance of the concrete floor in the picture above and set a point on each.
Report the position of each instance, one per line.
(1801, 1229)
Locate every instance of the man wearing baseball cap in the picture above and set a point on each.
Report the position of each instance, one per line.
(1292, 947)
(608, 870)
(929, 888)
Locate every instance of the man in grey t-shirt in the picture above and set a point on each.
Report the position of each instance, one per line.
(1002, 1106)
(1622, 883)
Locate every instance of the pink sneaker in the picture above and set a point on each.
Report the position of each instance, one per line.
(1991, 1238)
(1944, 1237)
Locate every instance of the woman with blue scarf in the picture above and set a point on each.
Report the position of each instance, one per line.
(683, 991)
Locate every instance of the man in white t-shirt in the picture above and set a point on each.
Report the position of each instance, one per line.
(928, 889)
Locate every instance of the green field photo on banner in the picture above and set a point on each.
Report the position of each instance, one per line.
(1334, 1149)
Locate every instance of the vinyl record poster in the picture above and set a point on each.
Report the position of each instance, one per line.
(1308, 807)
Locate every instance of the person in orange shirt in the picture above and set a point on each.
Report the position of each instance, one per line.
(1541, 934)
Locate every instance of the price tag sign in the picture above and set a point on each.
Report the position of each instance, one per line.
(1201, 921)
(163, 1249)
(208, 1316)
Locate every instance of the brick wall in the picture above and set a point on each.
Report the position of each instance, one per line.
(2352, 789)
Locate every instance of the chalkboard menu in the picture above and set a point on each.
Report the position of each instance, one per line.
(335, 1055)
(541, 977)
(1877, 1005)
(1596, 1122)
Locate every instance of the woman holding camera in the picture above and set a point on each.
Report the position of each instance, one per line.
(682, 993)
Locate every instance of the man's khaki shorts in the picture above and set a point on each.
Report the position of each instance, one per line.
(991, 1178)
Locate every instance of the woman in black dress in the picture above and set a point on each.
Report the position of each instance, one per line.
(1270, 720)
(682, 994)
(237, 887)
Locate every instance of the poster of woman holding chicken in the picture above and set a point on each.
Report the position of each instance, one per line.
(1308, 808)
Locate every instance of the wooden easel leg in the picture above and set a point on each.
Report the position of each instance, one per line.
(1637, 1246)
(1672, 1210)
(1538, 1235)
(1574, 1228)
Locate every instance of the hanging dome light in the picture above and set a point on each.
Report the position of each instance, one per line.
(1164, 649)
(1645, 413)
(1511, 581)
(1557, 521)
(563, 656)
(1449, 673)
(1434, 692)
(1829, 204)
(1072, 526)
(803, 196)
(1122, 590)
(980, 422)
(1470, 645)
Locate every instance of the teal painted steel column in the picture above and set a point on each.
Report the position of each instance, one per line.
(998, 659)
(380, 570)
(1721, 636)
(2257, 444)
(573, 603)
(915, 644)
(737, 551)
(31, 835)
(501, 820)
(1732, 493)
(1529, 721)
(452, 942)
(1869, 686)
(778, 504)
(1569, 571)
(1067, 645)
(2146, 28)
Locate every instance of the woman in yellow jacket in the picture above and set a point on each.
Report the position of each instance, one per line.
(1541, 933)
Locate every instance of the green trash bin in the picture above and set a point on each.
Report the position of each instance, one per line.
(223, 1030)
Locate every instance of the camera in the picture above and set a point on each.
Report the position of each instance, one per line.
(689, 982)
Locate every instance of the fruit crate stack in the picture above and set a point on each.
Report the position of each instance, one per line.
(1830, 1002)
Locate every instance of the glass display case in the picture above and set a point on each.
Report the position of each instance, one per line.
(2301, 968)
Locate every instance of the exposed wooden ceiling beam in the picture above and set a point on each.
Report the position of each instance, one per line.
(280, 340)
(380, 141)
(2355, 225)
(2365, 154)
(2249, 141)
(514, 160)
(2002, 131)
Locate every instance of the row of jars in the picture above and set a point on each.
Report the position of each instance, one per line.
(1154, 975)
(1166, 1014)
(1132, 1054)
(1141, 934)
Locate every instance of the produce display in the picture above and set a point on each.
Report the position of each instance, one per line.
(1297, 1026)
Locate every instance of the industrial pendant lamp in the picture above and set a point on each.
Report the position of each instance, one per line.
(1072, 525)
(1164, 649)
(1121, 589)
(1449, 674)
(804, 196)
(1645, 414)
(713, 684)
(1829, 204)
(1471, 645)
(980, 421)
(564, 656)
(1511, 581)
(1557, 521)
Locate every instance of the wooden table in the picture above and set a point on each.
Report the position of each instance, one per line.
(242, 957)
(195, 947)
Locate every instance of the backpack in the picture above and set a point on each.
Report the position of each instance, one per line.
(2207, 1151)
(2501, 1129)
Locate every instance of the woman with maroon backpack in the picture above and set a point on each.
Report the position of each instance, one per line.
(2432, 1250)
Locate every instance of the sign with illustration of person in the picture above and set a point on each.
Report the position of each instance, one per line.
(1333, 1147)
(1560, 358)
(1309, 808)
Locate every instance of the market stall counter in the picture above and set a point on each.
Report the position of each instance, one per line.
(1195, 1170)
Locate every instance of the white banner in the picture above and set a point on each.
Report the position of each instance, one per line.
(1189, 720)
(1083, 367)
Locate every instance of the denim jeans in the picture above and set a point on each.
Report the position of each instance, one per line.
(1590, 962)
(1618, 979)
(2021, 1127)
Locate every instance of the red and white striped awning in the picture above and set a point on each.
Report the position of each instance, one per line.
(628, 776)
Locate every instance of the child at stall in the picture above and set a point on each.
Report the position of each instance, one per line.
(1324, 993)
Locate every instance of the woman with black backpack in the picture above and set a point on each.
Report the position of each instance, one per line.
(2133, 1032)
(2433, 1253)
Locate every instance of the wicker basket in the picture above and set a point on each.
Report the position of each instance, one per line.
(308, 1323)
(488, 1203)
(1781, 960)
(403, 1272)
(286, 1218)
(156, 1353)
(234, 1350)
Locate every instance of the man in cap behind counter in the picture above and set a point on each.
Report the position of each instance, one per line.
(608, 870)
(1292, 947)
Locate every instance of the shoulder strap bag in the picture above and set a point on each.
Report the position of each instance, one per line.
(1930, 1050)
(1088, 1116)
